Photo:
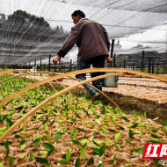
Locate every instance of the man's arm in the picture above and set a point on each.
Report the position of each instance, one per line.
(68, 44)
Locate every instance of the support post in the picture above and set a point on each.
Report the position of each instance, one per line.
(124, 63)
(35, 64)
(49, 62)
(157, 67)
(112, 50)
(70, 64)
(114, 61)
(40, 64)
(153, 67)
(149, 65)
(142, 58)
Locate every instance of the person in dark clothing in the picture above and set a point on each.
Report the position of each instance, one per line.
(93, 44)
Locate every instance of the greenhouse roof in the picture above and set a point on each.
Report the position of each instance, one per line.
(122, 19)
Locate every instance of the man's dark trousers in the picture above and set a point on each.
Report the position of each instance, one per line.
(97, 62)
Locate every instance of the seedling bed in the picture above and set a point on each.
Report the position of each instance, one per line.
(72, 131)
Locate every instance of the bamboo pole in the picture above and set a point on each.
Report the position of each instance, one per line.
(126, 71)
(26, 116)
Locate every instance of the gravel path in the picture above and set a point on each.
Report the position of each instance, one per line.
(149, 89)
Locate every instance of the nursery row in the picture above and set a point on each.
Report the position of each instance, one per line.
(71, 131)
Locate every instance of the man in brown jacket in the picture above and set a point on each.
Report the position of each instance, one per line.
(93, 43)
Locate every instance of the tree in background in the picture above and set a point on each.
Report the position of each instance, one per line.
(2, 17)
(24, 34)
(24, 17)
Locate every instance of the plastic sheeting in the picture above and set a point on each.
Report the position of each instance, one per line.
(121, 18)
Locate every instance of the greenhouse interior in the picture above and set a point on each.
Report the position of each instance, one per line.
(49, 116)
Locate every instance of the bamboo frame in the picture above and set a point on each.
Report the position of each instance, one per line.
(88, 85)
(26, 116)
(123, 71)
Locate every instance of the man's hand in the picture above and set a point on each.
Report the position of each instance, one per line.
(56, 59)
(109, 59)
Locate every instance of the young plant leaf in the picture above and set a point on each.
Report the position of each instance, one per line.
(107, 124)
(77, 163)
(82, 151)
(155, 118)
(121, 128)
(43, 152)
(103, 130)
(46, 127)
(41, 160)
(95, 148)
(155, 130)
(107, 117)
(154, 136)
(97, 120)
(140, 150)
(90, 162)
(50, 140)
(64, 161)
(97, 142)
(61, 122)
(125, 118)
(114, 121)
(155, 140)
(25, 134)
(114, 159)
(76, 142)
(112, 131)
(134, 126)
(102, 150)
(118, 146)
(142, 117)
(48, 146)
(135, 131)
(23, 146)
(11, 161)
(82, 130)
(50, 152)
(107, 141)
(129, 142)
(113, 115)
(117, 136)
(58, 136)
(85, 140)
(39, 137)
(84, 145)
(68, 155)
(1, 164)
(130, 133)
(165, 123)
(31, 155)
